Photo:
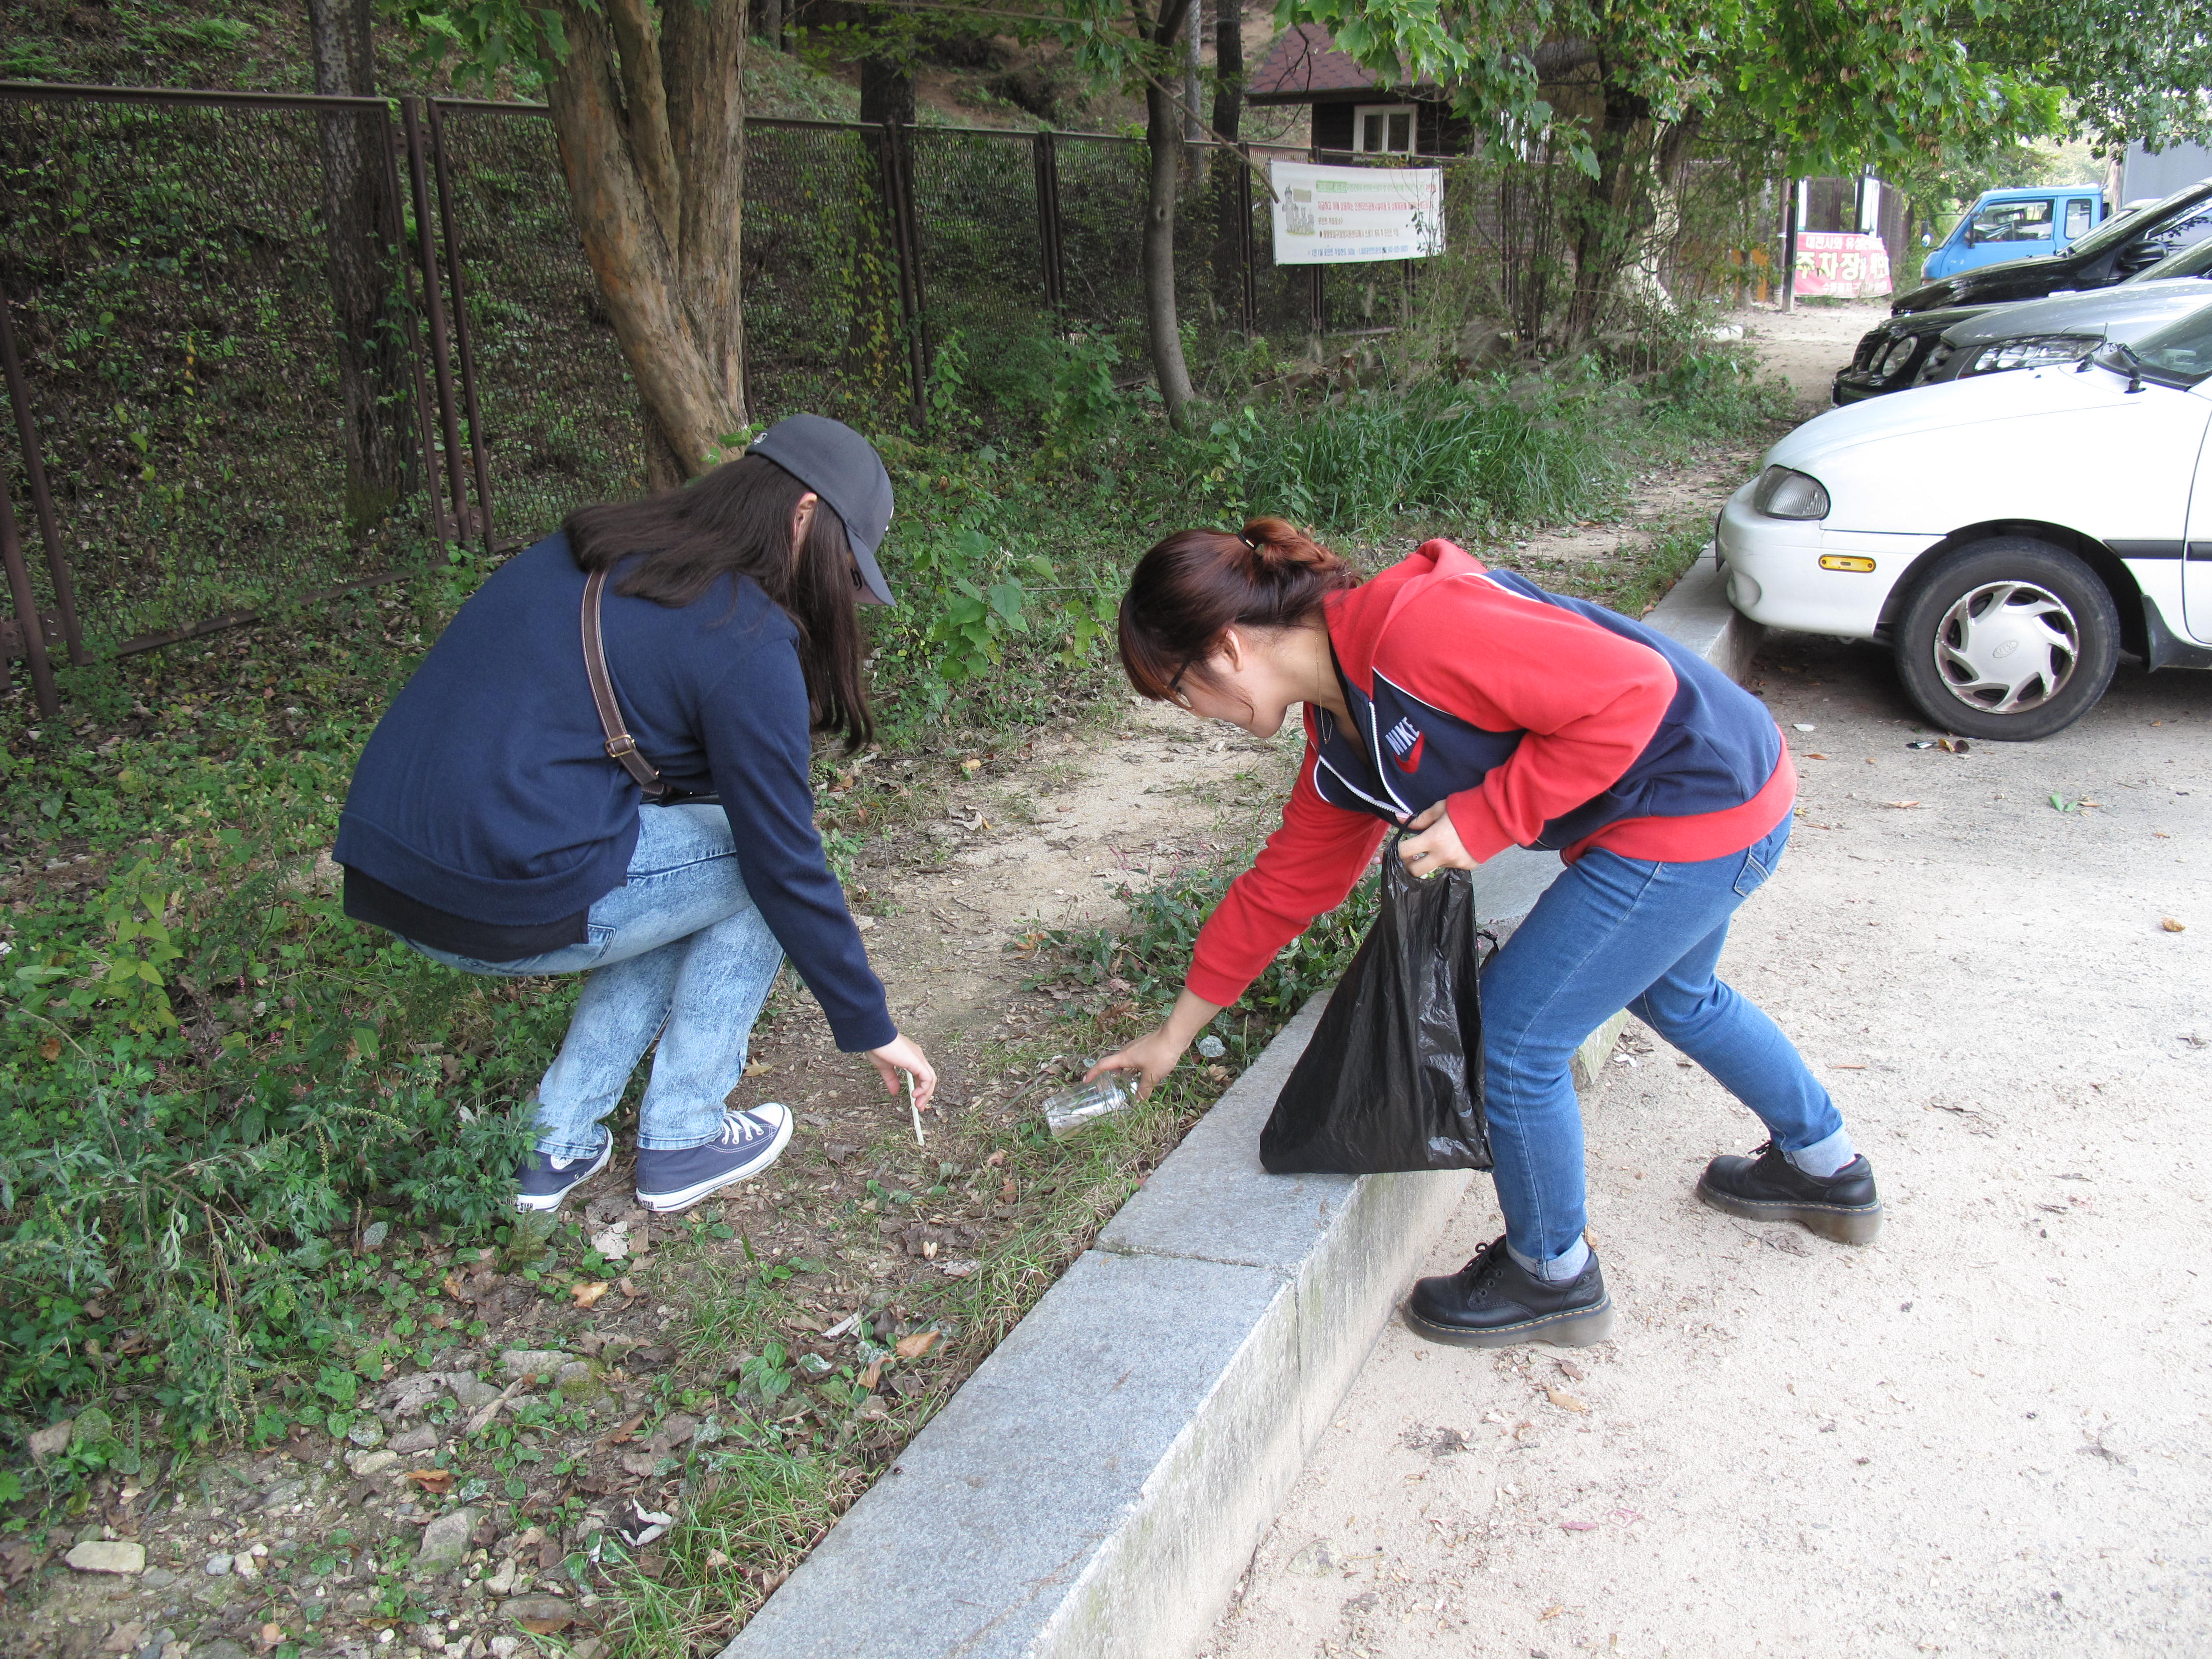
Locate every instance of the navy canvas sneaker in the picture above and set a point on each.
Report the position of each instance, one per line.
(749, 1143)
(546, 1181)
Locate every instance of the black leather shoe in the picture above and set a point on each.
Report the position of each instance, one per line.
(1768, 1187)
(1491, 1302)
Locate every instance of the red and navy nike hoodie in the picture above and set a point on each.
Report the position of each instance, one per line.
(1542, 722)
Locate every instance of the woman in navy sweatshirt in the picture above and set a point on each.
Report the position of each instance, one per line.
(496, 825)
(1479, 712)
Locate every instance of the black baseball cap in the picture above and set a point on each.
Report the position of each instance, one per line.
(841, 467)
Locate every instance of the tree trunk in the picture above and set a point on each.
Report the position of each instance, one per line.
(1602, 213)
(1193, 120)
(379, 427)
(652, 135)
(772, 23)
(1164, 134)
(1228, 67)
(886, 91)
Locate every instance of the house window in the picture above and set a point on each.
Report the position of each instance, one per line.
(1382, 129)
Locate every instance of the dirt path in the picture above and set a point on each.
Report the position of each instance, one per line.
(1983, 1435)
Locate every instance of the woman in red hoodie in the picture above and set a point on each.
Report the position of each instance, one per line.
(1479, 712)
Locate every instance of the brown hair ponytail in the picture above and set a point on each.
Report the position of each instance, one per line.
(1197, 584)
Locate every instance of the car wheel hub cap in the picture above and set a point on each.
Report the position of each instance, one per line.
(2007, 646)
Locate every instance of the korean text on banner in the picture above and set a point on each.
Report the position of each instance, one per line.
(1345, 215)
(1841, 264)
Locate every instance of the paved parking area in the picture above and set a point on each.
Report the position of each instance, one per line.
(1987, 1433)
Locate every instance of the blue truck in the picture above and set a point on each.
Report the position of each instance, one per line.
(2018, 224)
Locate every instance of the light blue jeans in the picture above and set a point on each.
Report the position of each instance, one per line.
(679, 953)
(1616, 933)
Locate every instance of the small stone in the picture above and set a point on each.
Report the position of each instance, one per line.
(472, 1391)
(502, 1583)
(422, 1439)
(367, 1463)
(1210, 1047)
(124, 1557)
(218, 1566)
(51, 1441)
(224, 1649)
(446, 1541)
(283, 1492)
(92, 1427)
(158, 1578)
(373, 1235)
(366, 1431)
(245, 1566)
(533, 1362)
(576, 1370)
(505, 1647)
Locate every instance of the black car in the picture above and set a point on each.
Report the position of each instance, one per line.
(1890, 355)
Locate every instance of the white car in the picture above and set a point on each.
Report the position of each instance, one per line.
(2008, 534)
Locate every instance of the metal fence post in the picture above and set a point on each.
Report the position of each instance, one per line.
(42, 501)
(396, 231)
(1247, 254)
(29, 623)
(906, 249)
(410, 121)
(1048, 228)
(454, 272)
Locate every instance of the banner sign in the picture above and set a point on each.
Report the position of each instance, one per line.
(1841, 264)
(1347, 215)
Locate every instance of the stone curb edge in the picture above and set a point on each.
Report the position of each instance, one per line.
(1099, 1484)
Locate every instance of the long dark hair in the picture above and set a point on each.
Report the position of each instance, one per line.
(1196, 585)
(736, 521)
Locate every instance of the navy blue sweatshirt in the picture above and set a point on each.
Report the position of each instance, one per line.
(486, 791)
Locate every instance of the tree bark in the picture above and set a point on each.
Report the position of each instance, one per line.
(886, 91)
(654, 163)
(1228, 67)
(378, 422)
(1164, 136)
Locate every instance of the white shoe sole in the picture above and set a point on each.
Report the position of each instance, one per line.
(538, 1203)
(684, 1197)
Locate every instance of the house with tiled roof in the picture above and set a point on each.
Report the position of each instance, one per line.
(1354, 111)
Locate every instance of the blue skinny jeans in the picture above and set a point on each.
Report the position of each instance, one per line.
(679, 952)
(1615, 932)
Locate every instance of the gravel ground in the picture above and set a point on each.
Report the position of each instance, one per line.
(1985, 1433)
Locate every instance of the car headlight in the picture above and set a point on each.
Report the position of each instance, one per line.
(1783, 494)
(1938, 356)
(1896, 357)
(2031, 352)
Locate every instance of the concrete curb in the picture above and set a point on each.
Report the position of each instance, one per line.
(1099, 1484)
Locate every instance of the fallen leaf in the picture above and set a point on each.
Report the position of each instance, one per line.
(626, 1431)
(585, 1295)
(51, 1049)
(1847, 1065)
(969, 765)
(1549, 1612)
(2173, 925)
(914, 1346)
(540, 1615)
(628, 1289)
(716, 1560)
(438, 1482)
(870, 1376)
(1901, 805)
(1571, 1370)
(1577, 1526)
(1814, 754)
(1007, 1191)
(640, 1464)
(1563, 1400)
(996, 1159)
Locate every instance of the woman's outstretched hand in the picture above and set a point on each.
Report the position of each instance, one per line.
(1155, 1054)
(901, 1055)
(1437, 847)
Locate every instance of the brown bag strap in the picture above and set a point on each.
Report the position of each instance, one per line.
(622, 748)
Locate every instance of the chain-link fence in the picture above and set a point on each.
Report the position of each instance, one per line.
(266, 346)
(210, 435)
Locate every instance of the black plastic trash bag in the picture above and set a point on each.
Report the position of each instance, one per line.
(1393, 1078)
